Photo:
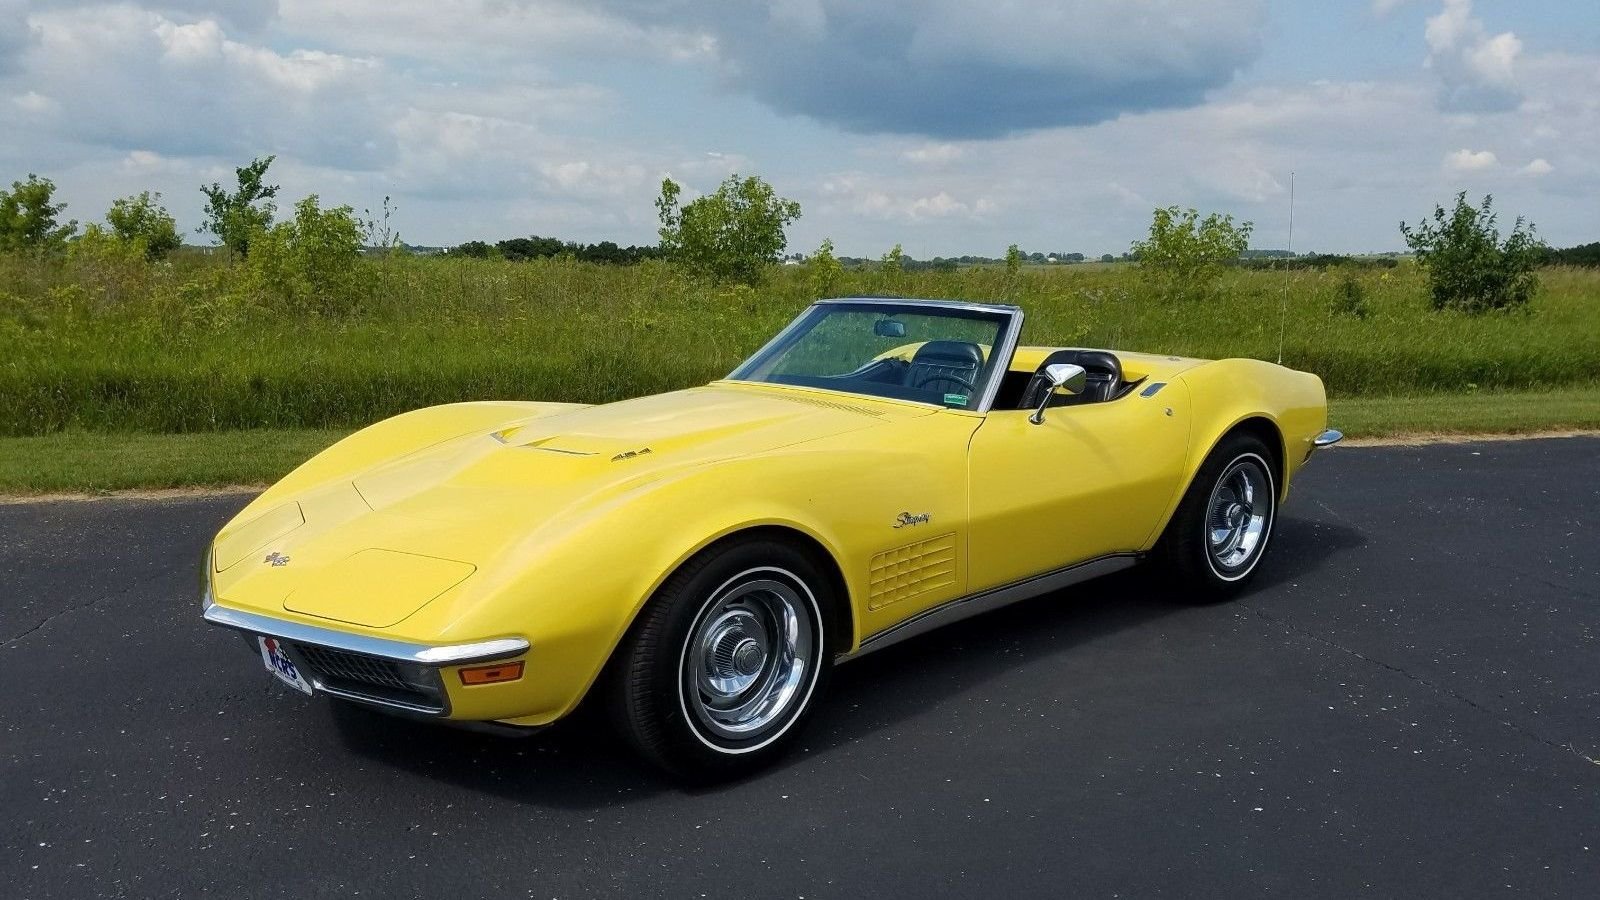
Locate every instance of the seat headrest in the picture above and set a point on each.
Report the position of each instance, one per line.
(949, 353)
(1094, 362)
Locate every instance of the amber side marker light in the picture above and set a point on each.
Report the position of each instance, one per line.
(494, 674)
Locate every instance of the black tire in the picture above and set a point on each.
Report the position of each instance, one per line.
(1187, 556)
(675, 690)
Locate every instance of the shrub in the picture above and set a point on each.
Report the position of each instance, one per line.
(1469, 268)
(825, 270)
(311, 263)
(732, 234)
(1350, 298)
(142, 221)
(1013, 260)
(1184, 255)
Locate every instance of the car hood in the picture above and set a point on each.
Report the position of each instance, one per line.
(376, 548)
(539, 465)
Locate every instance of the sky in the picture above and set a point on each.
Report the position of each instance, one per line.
(950, 127)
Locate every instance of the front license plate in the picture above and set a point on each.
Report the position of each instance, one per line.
(279, 664)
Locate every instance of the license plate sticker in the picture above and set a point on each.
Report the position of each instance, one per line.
(279, 664)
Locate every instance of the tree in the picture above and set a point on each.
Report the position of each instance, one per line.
(1469, 268)
(143, 221)
(28, 218)
(1184, 254)
(474, 249)
(732, 234)
(238, 216)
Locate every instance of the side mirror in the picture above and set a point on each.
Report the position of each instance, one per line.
(1061, 375)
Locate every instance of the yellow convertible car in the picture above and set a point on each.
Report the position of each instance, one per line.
(697, 561)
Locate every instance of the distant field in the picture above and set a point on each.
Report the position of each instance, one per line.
(180, 347)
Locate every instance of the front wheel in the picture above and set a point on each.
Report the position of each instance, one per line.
(1221, 529)
(726, 660)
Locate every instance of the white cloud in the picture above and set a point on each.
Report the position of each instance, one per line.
(933, 154)
(480, 121)
(1463, 161)
(1476, 70)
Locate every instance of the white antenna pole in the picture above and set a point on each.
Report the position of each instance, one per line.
(1283, 306)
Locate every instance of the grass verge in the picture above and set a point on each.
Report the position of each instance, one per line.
(93, 462)
(90, 462)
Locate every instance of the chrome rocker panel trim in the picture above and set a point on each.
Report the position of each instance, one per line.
(991, 599)
(399, 651)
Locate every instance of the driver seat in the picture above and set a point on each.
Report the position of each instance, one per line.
(945, 359)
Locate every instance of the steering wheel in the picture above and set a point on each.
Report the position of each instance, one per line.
(945, 377)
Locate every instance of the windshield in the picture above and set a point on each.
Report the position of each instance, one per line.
(929, 354)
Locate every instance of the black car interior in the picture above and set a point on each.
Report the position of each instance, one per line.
(953, 367)
(1104, 381)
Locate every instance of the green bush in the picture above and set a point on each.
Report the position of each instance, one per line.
(825, 270)
(732, 234)
(1350, 298)
(1469, 268)
(141, 220)
(1185, 255)
(311, 263)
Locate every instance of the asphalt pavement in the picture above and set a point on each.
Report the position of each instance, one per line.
(1407, 704)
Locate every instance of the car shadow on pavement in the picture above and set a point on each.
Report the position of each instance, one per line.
(579, 763)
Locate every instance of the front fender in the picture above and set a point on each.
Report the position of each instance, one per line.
(1227, 392)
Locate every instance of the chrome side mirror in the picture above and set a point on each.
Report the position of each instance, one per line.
(1060, 375)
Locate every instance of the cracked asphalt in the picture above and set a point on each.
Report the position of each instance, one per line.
(1406, 704)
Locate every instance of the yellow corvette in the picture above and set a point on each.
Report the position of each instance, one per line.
(698, 560)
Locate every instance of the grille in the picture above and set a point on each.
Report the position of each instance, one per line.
(367, 677)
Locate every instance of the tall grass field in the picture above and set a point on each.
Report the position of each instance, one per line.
(109, 345)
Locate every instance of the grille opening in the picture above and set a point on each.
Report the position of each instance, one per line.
(372, 677)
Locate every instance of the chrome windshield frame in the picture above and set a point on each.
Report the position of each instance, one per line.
(1004, 349)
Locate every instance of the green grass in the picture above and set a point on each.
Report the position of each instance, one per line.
(193, 346)
(1520, 412)
(90, 462)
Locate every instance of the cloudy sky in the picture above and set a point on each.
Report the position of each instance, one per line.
(949, 126)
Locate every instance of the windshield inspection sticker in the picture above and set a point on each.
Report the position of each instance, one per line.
(955, 399)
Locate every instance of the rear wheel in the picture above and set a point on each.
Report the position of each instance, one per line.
(726, 661)
(1221, 529)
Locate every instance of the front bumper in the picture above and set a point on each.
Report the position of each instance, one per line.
(394, 675)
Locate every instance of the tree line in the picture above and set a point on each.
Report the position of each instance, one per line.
(738, 231)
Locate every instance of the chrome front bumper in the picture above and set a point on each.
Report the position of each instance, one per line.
(394, 675)
(1327, 439)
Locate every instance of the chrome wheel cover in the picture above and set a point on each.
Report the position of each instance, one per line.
(1239, 515)
(751, 657)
